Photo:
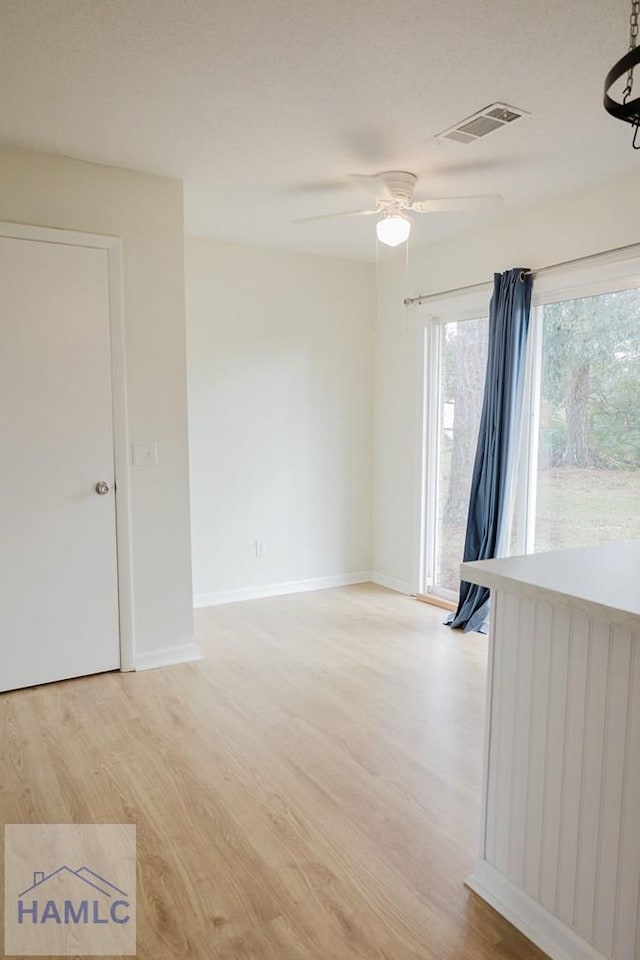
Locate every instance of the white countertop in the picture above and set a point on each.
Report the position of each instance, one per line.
(603, 579)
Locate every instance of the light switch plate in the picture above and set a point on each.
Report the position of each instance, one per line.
(145, 453)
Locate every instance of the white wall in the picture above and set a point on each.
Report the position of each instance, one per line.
(279, 358)
(592, 221)
(146, 211)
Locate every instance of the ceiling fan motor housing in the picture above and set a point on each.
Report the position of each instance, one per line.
(400, 184)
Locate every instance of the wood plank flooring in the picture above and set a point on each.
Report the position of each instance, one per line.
(308, 791)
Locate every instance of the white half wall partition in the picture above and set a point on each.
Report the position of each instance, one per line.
(560, 840)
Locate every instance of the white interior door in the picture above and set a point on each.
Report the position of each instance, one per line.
(58, 583)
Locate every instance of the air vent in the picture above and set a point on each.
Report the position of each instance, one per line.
(472, 128)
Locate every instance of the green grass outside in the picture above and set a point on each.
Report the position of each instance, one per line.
(576, 508)
(579, 507)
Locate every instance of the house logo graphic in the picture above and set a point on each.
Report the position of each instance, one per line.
(72, 896)
(70, 889)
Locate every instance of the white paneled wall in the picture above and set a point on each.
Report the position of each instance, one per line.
(562, 819)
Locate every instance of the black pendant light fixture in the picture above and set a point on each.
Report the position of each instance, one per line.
(628, 110)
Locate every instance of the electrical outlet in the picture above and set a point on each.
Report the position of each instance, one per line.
(261, 549)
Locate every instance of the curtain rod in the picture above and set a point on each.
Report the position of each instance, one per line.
(477, 287)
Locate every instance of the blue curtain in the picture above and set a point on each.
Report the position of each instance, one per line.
(495, 462)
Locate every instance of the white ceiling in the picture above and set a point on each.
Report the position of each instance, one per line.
(264, 108)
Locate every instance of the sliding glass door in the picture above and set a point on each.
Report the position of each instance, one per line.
(579, 456)
(457, 353)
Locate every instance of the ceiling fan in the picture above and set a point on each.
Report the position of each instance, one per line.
(393, 193)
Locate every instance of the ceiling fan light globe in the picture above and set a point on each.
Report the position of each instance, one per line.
(393, 230)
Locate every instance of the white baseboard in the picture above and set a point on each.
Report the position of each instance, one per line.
(279, 589)
(400, 586)
(167, 656)
(543, 928)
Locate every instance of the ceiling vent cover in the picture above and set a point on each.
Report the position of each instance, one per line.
(479, 124)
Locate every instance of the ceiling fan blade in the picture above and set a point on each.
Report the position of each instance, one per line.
(373, 185)
(319, 186)
(330, 216)
(457, 204)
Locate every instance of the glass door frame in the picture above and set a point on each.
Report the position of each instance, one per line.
(454, 308)
(431, 461)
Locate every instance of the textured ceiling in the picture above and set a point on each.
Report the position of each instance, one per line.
(264, 108)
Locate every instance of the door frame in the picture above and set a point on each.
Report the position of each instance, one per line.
(436, 313)
(122, 492)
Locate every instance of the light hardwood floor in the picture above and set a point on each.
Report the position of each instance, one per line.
(309, 791)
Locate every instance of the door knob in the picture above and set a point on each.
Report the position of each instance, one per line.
(102, 488)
